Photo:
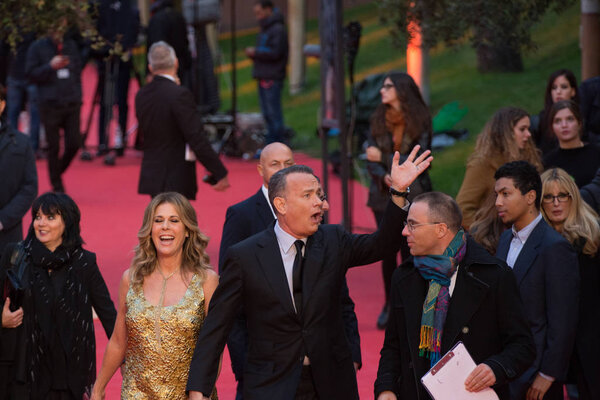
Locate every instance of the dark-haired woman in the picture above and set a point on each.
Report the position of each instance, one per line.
(581, 160)
(562, 85)
(399, 123)
(49, 352)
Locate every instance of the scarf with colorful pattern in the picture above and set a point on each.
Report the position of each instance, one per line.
(437, 270)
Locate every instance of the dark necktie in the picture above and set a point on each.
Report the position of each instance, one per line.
(297, 276)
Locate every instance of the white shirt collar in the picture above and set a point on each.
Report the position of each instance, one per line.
(285, 240)
(524, 233)
(169, 77)
(266, 193)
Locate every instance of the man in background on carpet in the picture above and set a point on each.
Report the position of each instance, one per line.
(270, 59)
(18, 178)
(450, 290)
(250, 217)
(547, 273)
(54, 64)
(172, 131)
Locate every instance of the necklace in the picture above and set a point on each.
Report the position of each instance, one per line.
(159, 307)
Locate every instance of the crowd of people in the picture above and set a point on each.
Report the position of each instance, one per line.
(511, 268)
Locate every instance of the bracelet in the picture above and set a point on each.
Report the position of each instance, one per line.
(394, 192)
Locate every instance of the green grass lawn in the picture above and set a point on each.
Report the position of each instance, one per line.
(453, 76)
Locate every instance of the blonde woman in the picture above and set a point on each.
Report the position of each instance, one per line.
(567, 213)
(504, 138)
(163, 299)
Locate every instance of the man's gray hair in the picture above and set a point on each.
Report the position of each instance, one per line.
(161, 56)
(277, 183)
(442, 209)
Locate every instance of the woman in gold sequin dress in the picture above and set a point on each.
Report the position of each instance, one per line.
(163, 299)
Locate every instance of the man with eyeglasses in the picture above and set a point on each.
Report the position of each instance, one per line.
(254, 215)
(450, 290)
(547, 273)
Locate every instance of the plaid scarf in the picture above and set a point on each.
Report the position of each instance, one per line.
(438, 269)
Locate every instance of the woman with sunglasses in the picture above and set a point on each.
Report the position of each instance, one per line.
(399, 123)
(568, 214)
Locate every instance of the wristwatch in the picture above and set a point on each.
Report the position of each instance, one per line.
(394, 192)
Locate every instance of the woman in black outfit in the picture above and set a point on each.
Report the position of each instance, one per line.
(564, 209)
(399, 123)
(581, 160)
(562, 85)
(48, 344)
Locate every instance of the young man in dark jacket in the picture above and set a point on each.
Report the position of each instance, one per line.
(270, 59)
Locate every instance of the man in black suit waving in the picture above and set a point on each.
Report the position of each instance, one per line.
(168, 120)
(289, 279)
(547, 273)
(250, 217)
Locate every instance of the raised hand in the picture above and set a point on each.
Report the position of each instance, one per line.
(404, 174)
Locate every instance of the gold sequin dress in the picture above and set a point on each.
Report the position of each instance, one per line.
(158, 357)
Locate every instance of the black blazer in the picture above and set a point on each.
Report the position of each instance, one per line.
(279, 338)
(485, 313)
(18, 180)
(587, 345)
(547, 275)
(168, 119)
(14, 343)
(254, 215)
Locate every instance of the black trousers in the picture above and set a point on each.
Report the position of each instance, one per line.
(306, 388)
(55, 118)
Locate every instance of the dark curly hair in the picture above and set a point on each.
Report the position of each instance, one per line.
(525, 178)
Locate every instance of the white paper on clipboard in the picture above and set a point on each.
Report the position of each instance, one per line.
(446, 379)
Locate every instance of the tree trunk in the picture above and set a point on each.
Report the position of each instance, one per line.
(498, 58)
(590, 32)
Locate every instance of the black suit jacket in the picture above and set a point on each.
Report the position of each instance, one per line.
(278, 337)
(548, 279)
(485, 313)
(18, 180)
(254, 215)
(168, 119)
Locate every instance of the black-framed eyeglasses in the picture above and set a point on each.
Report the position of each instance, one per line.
(561, 197)
(387, 86)
(412, 226)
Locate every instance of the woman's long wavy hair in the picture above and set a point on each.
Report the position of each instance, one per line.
(487, 226)
(194, 257)
(497, 140)
(582, 222)
(416, 113)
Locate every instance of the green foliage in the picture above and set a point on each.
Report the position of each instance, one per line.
(41, 17)
(498, 29)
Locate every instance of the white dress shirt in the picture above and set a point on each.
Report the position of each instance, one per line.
(266, 193)
(288, 254)
(519, 239)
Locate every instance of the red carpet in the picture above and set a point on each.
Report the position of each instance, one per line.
(112, 213)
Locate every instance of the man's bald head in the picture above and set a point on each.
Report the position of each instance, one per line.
(274, 157)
